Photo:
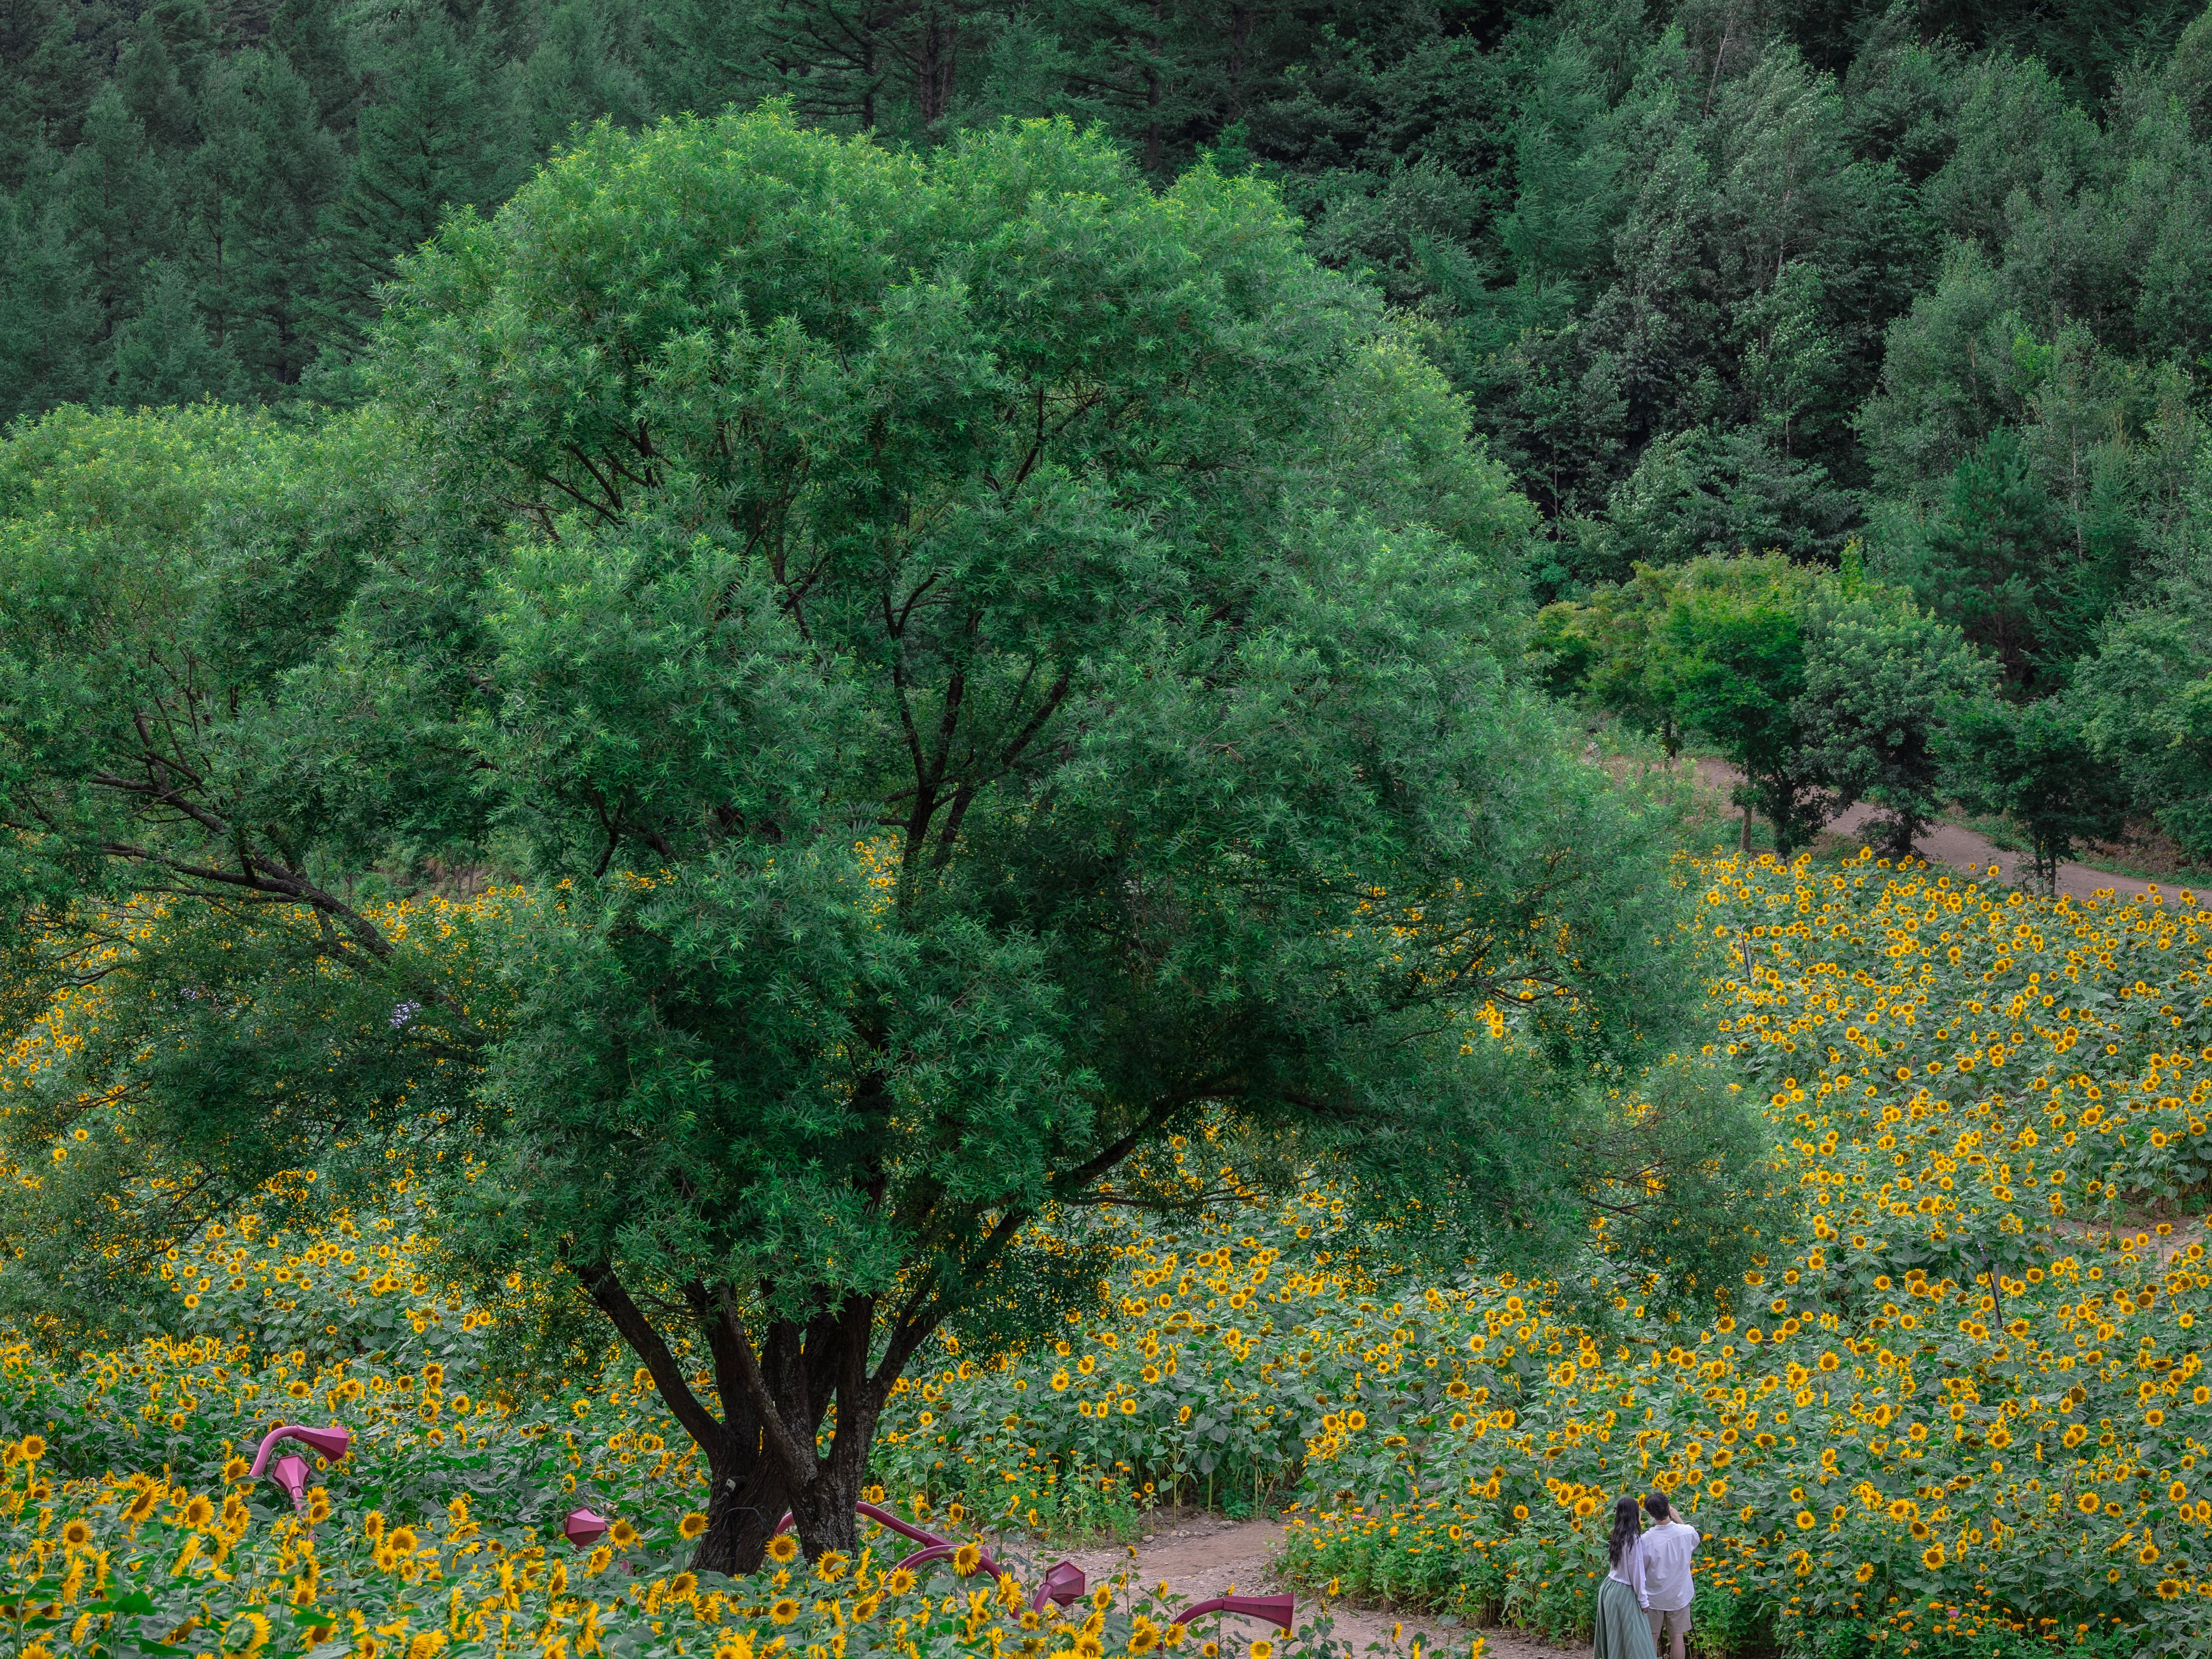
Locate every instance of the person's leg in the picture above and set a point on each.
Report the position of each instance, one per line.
(1678, 1625)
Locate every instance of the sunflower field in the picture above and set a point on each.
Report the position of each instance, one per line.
(1957, 1407)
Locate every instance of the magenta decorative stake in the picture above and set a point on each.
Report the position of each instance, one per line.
(583, 1529)
(1063, 1582)
(1278, 1610)
(290, 1471)
(292, 1474)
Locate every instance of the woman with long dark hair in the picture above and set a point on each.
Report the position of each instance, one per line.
(1624, 1627)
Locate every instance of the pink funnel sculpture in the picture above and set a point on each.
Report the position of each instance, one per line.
(292, 1474)
(1277, 1610)
(291, 1471)
(583, 1529)
(1063, 1582)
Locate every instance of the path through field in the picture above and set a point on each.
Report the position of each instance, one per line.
(1962, 849)
(1198, 1556)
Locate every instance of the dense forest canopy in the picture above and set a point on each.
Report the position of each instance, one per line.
(1689, 227)
(1715, 276)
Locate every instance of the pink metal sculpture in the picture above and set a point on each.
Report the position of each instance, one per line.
(291, 1472)
(884, 1517)
(1063, 1582)
(1277, 1610)
(881, 1517)
(583, 1529)
(943, 1549)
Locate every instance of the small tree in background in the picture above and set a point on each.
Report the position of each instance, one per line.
(1732, 666)
(2034, 763)
(1822, 689)
(1881, 677)
(1609, 647)
(2145, 698)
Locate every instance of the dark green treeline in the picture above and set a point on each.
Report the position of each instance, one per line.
(1715, 275)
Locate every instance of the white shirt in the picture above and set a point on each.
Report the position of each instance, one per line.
(1667, 1549)
(1630, 1572)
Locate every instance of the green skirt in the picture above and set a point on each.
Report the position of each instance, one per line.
(1623, 1630)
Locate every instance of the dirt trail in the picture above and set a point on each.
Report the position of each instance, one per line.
(1198, 1556)
(1960, 849)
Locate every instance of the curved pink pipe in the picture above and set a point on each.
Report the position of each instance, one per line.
(941, 1551)
(934, 1546)
(332, 1443)
(1277, 1610)
(881, 1517)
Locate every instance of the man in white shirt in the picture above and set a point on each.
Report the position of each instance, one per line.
(1668, 1546)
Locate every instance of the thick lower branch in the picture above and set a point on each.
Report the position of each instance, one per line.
(614, 1300)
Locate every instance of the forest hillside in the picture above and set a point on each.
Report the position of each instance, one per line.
(1922, 284)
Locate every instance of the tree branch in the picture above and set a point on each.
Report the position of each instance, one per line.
(599, 1279)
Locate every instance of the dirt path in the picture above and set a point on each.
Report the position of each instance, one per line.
(1198, 1556)
(1962, 849)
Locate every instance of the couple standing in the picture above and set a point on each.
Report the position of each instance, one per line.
(1646, 1596)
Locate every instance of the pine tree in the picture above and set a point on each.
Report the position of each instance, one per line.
(837, 61)
(422, 148)
(118, 209)
(54, 55)
(48, 321)
(258, 183)
(308, 33)
(579, 72)
(153, 92)
(1150, 70)
(702, 55)
(166, 355)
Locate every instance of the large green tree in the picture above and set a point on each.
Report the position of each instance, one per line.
(980, 667)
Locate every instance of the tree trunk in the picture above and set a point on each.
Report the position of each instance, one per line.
(824, 1510)
(764, 1453)
(933, 68)
(744, 1505)
(1240, 30)
(1743, 838)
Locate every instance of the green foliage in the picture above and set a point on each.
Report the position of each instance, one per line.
(1821, 690)
(2034, 762)
(1732, 651)
(2147, 701)
(1882, 678)
(1714, 283)
(975, 663)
